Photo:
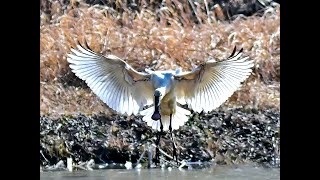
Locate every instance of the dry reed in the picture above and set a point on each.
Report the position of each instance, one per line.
(162, 39)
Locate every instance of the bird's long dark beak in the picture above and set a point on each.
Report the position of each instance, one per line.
(156, 114)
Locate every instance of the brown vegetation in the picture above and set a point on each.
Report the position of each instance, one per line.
(144, 40)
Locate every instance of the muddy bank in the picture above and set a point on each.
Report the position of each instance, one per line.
(225, 136)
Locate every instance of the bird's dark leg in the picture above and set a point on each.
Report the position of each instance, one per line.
(157, 148)
(173, 145)
(158, 141)
(157, 116)
(161, 127)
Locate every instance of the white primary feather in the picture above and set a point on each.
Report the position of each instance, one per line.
(212, 83)
(108, 77)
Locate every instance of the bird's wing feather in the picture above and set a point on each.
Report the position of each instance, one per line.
(114, 81)
(212, 83)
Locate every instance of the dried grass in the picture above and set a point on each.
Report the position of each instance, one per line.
(143, 40)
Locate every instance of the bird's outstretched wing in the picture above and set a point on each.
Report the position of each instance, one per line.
(114, 81)
(212, 83)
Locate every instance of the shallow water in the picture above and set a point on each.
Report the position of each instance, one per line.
(216, 173)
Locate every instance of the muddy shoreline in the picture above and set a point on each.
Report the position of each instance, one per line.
(224, 136)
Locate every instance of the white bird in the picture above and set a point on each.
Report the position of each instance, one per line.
(128, 91)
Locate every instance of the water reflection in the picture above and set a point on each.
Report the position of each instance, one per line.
(216, 173)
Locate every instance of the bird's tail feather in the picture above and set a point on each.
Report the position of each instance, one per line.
(178, 119)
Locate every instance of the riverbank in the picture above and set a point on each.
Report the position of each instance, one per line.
(226, 136)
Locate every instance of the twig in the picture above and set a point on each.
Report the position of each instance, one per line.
(149, 156)
(166, 154)
(59, 165)
(43, 156)
(193, 8)
(90, 164)
(207, 8)
(163, 152)
(171, 163)
(82, 165)
(69, 164)
(141, 156)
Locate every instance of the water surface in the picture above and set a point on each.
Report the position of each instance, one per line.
(216, 173)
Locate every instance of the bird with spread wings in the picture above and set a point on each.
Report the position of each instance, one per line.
(128, 91)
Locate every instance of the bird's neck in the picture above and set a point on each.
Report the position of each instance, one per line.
(169, 96)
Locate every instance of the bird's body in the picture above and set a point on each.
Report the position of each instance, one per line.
(168, 102)
(165, 82)
(128, 91)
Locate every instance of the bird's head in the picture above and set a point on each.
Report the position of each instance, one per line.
(161, 92)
